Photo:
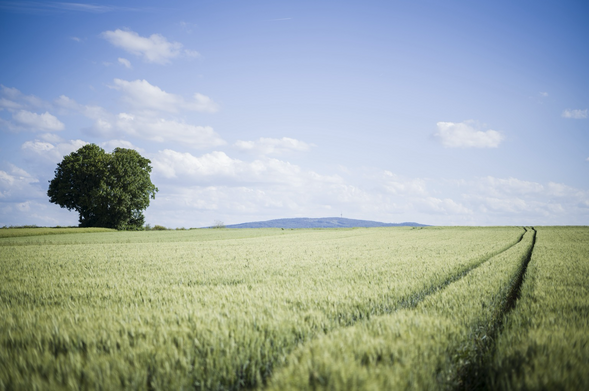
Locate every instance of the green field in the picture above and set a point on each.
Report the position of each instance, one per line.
(349, 309)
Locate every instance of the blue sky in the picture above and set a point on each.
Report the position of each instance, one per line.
(445, 113)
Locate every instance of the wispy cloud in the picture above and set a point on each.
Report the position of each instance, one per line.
(82, 7)
(543, 94)
(125, 62)
(24, 120)
(51, 6)
(466, 135)
(161, 130)
(49, 151)
(272, 146)
(575, 114)
(16, 184)
(141, 95)
(187, 27)
(219, 168)
(145, 120)
(12, 98)
(112, 144)
(155, 48)
(36, 121)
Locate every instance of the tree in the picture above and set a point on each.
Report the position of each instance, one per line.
(108, 190)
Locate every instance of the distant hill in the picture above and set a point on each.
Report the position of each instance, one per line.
(322, 222)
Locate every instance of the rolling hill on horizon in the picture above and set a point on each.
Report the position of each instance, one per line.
(321, 222)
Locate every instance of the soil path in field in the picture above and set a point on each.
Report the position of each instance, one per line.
(472, 376)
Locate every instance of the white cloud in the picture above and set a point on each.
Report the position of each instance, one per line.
(141, 122)
(501, 206)
(50, 137)
(575, 114)
(218, 186)
(514, 201)
(12, 99)
(145, 124)
(23, 206)
(51, 152)
(394, 184)
(96, 113)
(499, 186)
(155, 49)
(234, 189)
(172, 164)
(201, 103)
(37, 146)
(22, 174)
(440, 206)
(10, 92)
(272, 146)
(6, 178)
(16, 184)
(9, 125)
(199, 206)
(217, 168)
(10, 105)
(125, 62)
(465, 135)
(34, 121)
(543, 94)
(162, 130)
(67, 103)
(18, 175)
(191, 53)
(142, 95)
(112, 144)
(187, 27)
(560, 190)
(220, 167)
(76, 39)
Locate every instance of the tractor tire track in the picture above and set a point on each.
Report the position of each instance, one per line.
(414, 300)
(407, 303)
(473, 375)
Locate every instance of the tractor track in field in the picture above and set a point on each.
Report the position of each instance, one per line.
(417, 298)
(412, 301)
(473, 375)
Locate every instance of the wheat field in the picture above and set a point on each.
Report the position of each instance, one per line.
(333, 309)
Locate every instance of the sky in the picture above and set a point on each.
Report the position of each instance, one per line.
(437, 112)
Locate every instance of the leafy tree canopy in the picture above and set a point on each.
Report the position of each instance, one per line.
(108, 190)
